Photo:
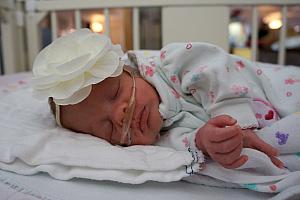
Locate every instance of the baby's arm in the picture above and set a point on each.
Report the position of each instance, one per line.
(212, 78)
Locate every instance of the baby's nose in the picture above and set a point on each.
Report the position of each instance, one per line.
(118, 113)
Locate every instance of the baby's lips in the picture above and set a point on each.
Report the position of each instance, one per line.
(135, 125)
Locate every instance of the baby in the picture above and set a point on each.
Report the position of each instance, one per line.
(194, 95)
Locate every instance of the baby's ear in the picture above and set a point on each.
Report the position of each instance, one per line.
(52, 105)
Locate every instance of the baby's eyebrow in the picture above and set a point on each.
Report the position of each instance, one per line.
(115, 85)
(107, 90)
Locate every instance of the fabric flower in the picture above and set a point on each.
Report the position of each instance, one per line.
(67, 68)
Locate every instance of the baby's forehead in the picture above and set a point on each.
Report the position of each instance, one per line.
(94, 105)
(101, 92)
(102, 89)
(106, 84)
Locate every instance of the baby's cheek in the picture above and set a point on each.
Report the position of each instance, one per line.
(156, 119)
(151, 139)
(143, 138)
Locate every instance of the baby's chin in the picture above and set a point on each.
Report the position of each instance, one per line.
(147, 138)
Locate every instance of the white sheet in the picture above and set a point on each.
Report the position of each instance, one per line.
(41, 186)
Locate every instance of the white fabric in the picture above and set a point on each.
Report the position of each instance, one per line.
(30, 142)
(42, 187)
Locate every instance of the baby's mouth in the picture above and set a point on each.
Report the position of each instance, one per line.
(139, 122)
(144, 120)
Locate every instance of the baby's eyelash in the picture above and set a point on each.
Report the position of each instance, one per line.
(116, 94)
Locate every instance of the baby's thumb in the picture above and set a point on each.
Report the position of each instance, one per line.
(222, 121)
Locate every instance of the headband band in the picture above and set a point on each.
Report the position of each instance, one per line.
(57, 115)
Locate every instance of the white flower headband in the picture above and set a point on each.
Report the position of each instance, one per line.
(66, 69)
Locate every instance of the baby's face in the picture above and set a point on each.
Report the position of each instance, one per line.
(102, 113)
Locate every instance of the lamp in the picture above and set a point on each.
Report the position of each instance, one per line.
(273, 20)
(96, 23)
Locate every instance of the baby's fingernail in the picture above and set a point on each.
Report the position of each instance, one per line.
(232, 120)
(281, 166)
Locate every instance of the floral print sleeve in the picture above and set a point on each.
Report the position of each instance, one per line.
(215, 79)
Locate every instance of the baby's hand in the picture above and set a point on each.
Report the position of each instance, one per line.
(251, 140)
(222, 140)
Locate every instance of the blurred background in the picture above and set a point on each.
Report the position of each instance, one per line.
(270, 23)
(120, 26)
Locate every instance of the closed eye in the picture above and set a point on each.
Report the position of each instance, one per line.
(117, 90)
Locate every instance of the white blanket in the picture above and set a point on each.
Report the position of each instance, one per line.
(31, 143)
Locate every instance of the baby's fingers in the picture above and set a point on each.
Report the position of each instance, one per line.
(228, 145)
(222, 121)
(268, 149)
(229, 157)
(277, 162)
(239, 162)
(222, 134)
